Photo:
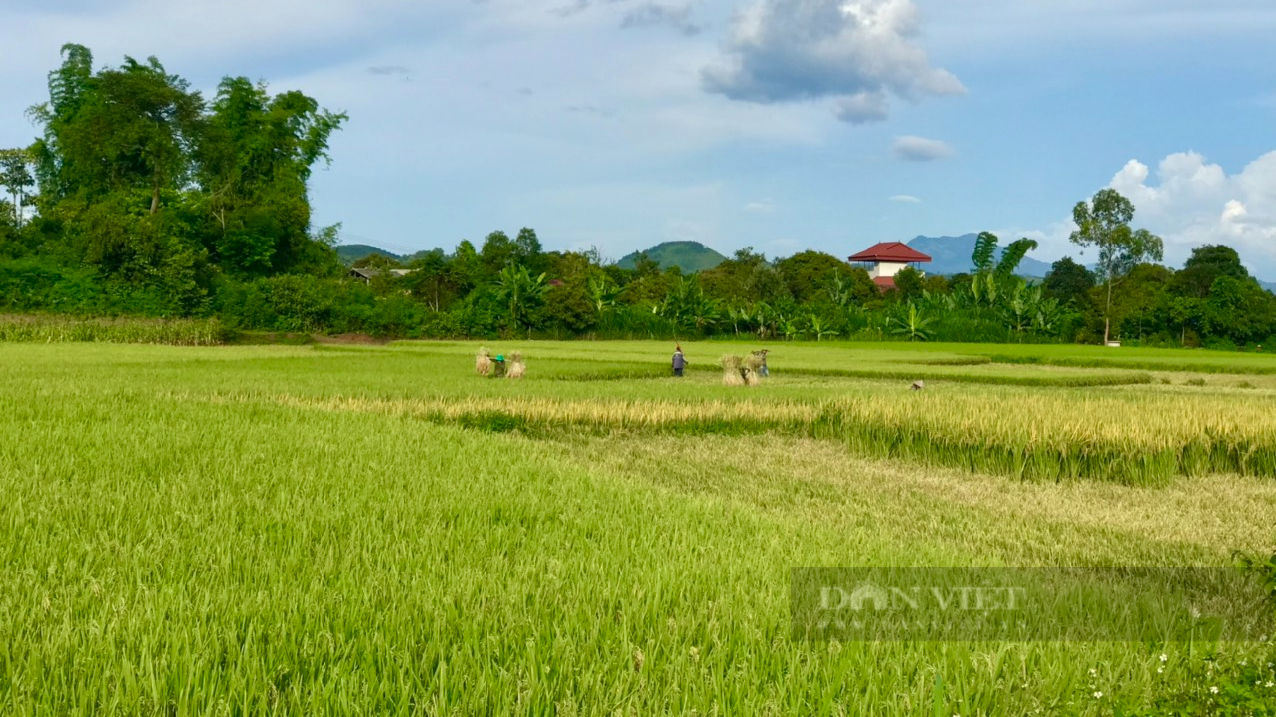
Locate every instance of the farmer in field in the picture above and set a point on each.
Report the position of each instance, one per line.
(679, 361)
(763, 371)
(498, 366)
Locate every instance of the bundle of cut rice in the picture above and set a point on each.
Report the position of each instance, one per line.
(754, 361)
(517, 367)
(483, 362)
(731, 370)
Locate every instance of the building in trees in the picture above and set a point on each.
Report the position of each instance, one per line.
(883, 261)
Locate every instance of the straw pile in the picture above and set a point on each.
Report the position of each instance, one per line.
(483, 362)
(517, 367)
(737, 371)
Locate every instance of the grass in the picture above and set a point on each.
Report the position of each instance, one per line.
(275, 530)
(37, 328)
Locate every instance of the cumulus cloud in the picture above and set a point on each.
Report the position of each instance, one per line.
(905, 199)
(858, 51)
(652, 14)
(920, 149)
(1193, 202)
(863, 107)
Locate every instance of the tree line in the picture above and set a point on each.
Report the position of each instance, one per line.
(142, 197)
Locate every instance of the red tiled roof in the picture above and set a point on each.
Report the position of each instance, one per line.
(891, 251)
(884, 283)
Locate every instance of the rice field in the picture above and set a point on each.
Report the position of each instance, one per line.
(380, 530)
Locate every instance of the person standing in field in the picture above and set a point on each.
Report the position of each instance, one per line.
(679, 361)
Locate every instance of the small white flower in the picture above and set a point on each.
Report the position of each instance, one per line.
(1270, 684)
(1093, 672)
(1164, 657)
(1244, 663)
(1098, 695)
(1159, 670)
(1213, 690)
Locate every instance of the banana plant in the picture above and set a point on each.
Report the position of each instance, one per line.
(913, 324)
(603, 294)
(819, 328)
(791, 328)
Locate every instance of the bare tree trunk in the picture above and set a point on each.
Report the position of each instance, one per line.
(1107, 314)
(155, 196)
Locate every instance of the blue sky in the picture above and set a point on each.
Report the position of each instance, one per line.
(780, 124)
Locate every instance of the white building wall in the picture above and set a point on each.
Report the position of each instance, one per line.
(885, 268)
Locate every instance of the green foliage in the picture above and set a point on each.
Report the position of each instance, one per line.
(1012, 256)
(47, 329)
(1069, 283)
(909, 284)
(807, 275)
(155, 202)
(1104, 224)
(689, 308)
(911, 324)
(144, 181)
(521, 293)
(985, 252)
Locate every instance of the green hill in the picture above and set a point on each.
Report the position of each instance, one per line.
(689, 256)
(350, 253)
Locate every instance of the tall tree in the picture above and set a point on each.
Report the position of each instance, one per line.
(16, 177)
(1068, 282)
(1104, 223)
(256, 158)
(127, 128)
(69, 89)
(808, 273)
(1206, 264)
(528, 251)
(498, 252)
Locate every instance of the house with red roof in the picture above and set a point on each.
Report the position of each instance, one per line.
(883, 261)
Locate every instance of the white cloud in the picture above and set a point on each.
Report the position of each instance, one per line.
(905, 199)
(920, 149)
(1189, 203)
(765, 206)
(1193, 202)
(863, 107)
(860, 51)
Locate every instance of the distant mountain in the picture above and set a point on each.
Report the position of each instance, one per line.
(1269, 285)
(951, 255)
(689, 256)
(350, 253)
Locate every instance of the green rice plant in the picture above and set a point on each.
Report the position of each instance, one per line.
(58, 329)
(372, 530)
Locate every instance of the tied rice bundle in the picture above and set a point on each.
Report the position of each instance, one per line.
(517, 367)
(733, 371)
(483, 362)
